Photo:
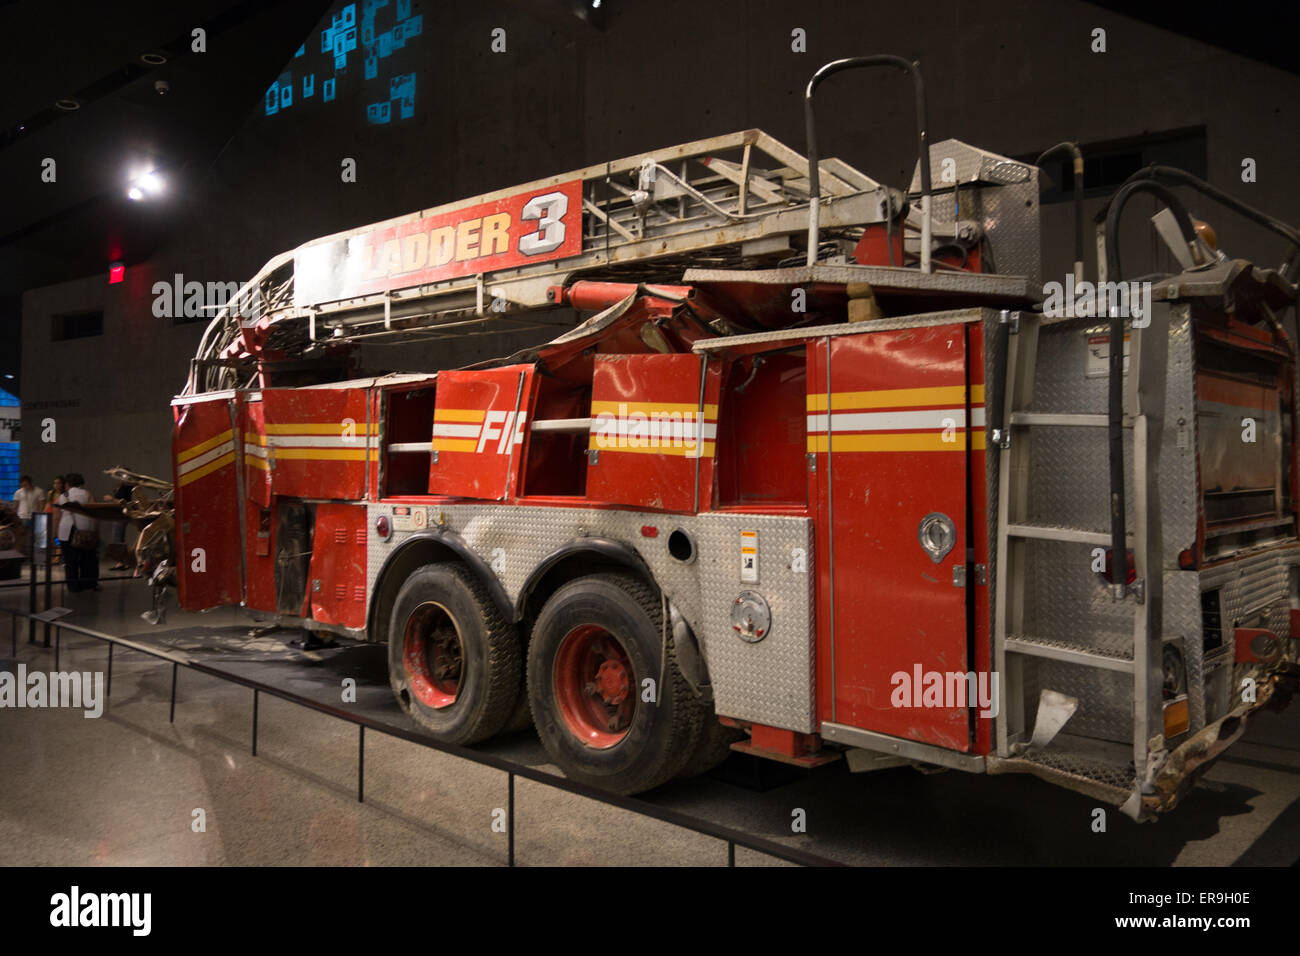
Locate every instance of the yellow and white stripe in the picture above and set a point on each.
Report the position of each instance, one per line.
(206, 457)
(660, 428)
(457, 429)
(312, 441)
(907, 420)
(255, 450)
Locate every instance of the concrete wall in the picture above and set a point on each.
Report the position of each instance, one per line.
(1011, 77)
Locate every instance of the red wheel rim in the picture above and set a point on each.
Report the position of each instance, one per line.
(595, 686)
(433, 655)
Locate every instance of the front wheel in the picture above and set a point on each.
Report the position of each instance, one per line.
(594, 671)
(453, 660)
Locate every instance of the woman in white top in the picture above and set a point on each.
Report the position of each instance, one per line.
(82, 563)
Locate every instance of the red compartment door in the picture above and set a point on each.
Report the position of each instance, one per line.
(257, 466)
(205, 459)
(338, 565)
(479, 427)
(887, 420)
(319, 441)
(649, 431)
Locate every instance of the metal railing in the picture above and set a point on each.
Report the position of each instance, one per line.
(731, 836)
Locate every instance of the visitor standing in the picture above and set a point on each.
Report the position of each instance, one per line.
(80, 538)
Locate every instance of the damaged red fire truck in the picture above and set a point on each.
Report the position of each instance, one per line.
(813, 470)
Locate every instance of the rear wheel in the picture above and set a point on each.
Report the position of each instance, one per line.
(594, 686)
(453, 659)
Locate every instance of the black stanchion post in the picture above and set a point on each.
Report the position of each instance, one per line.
(49, 563)
(510, 819)
(361, 763)
(109, 691)
(58, 633)
(731, 853)
(172, 718)
(49, 573)
(31, 601)
(254, 721)
(13, 634)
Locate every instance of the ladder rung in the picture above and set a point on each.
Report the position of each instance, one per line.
(1045, 532)
(1069, 653)
(1061, 418)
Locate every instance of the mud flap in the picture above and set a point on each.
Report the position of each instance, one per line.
(1054, 710)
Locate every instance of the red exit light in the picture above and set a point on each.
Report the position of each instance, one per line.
(116, 273)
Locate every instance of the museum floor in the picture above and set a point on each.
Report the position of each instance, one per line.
(122, 789)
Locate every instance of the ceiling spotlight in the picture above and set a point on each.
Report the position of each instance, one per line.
(153, 59)
(67, 104)
(147, 183)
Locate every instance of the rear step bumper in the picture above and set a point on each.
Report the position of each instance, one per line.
(1183, 766)
(1172, 774)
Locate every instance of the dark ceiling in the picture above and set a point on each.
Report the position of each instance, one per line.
(92, 53)
(78, 224)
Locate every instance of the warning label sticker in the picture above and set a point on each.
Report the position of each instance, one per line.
(1098, 362)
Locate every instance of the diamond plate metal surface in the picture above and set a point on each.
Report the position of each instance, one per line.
(987, 194)
(1070, 465)
(1009, 216)
(918, 320)
(1105, 699)
(770, 682)
(1069, 477)
(970, 165)
(1064, 597)
(1183, 620)
(1066, 601)
(1083, 766)
(1253, 588)
(884, 279)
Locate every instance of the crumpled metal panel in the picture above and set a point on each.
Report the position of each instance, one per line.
(770, 682)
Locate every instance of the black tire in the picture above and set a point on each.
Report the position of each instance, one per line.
(453, 659)
(714, 747)
(522, 718)
(647, 745)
